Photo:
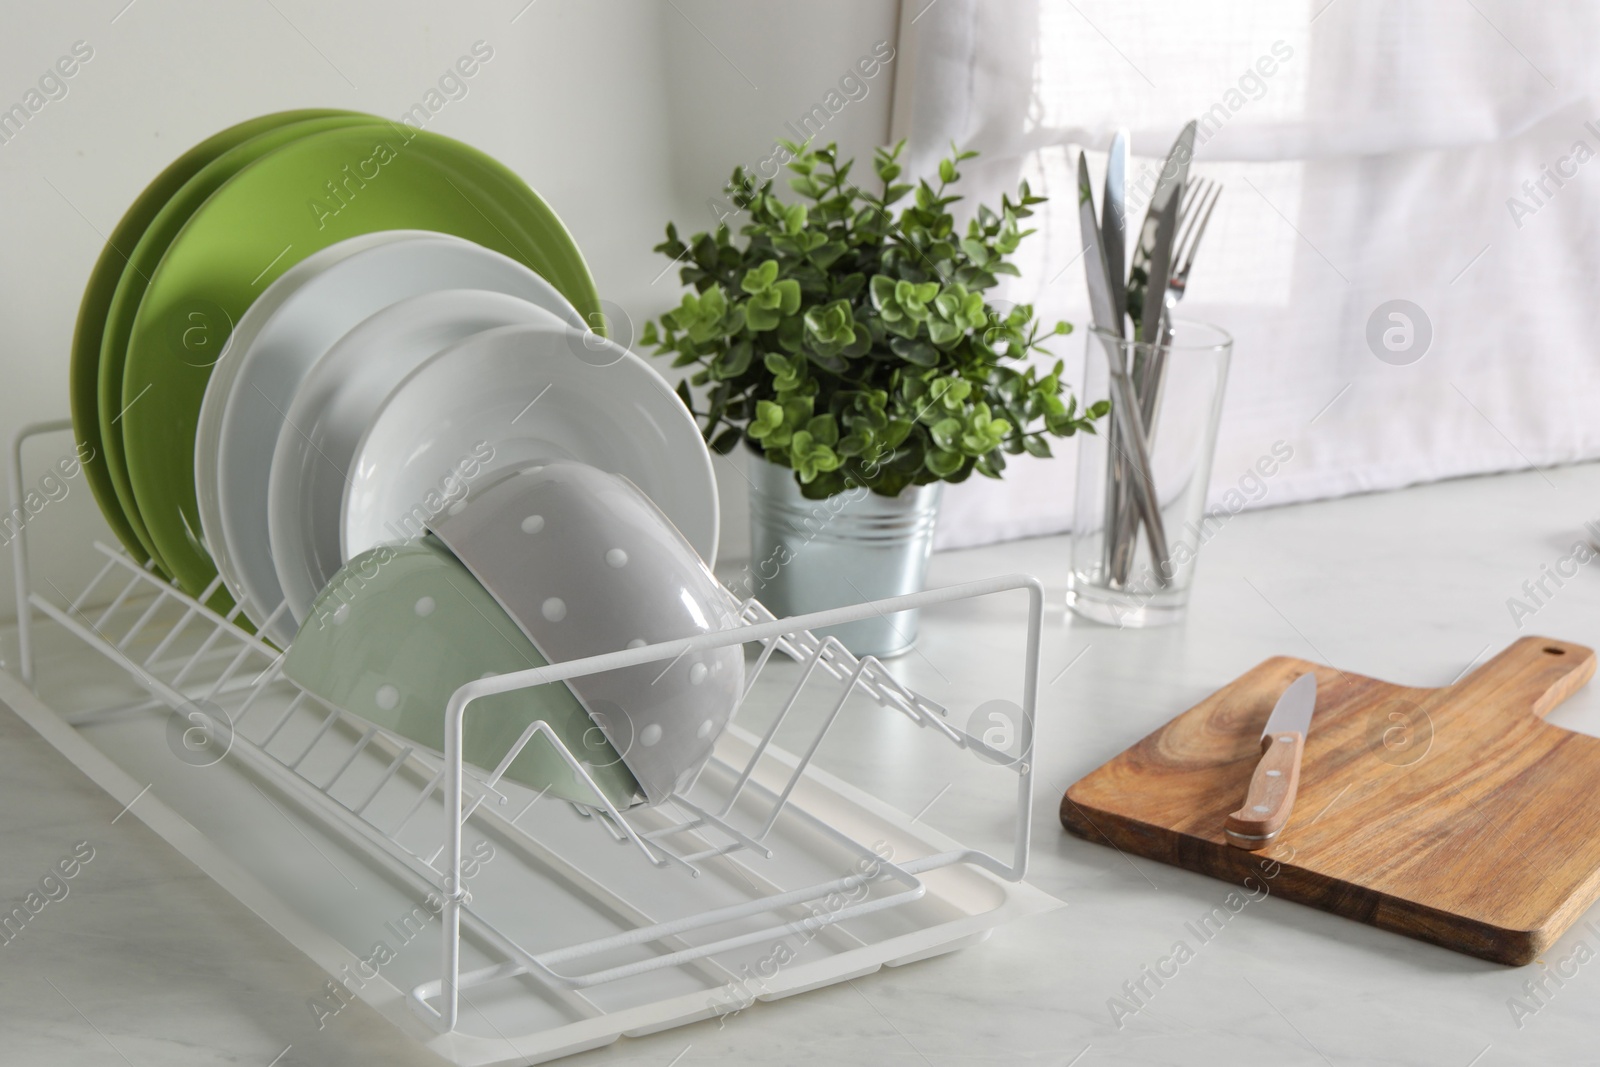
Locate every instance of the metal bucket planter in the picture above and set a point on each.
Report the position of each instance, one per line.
(807, 555)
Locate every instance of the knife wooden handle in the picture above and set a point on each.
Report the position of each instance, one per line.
(1271, 795)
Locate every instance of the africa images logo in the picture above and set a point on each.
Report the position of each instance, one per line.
(343, 188)
(52, 85)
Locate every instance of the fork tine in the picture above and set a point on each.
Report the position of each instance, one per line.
(1194, 227)
(1201, 188)
(1193, 195)
(1194, 190)
(1186, 258)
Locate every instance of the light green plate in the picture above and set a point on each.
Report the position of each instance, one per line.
(84, 376)
(305, 196)
(142, 265)
(401, 627)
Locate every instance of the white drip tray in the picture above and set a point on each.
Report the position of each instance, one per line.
(546, 876)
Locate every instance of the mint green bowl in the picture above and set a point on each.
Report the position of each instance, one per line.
(401, 627)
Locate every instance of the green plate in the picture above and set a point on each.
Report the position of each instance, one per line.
(142, 264)
(305, 196)
(401, 627)
(97, 295)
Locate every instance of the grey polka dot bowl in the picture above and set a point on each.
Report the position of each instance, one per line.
(585, 564)
(401, 627)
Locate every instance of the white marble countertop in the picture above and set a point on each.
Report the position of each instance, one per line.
(146, 961)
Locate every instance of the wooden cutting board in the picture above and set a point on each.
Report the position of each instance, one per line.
(1455, 815)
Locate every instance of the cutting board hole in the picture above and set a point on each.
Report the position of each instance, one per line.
(1554, 651)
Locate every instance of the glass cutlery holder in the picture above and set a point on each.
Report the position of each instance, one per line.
(1117, 577)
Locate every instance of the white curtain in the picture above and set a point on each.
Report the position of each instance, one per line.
(1446, 154)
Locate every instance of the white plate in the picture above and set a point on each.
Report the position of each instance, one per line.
(302, 327)
(208, 432)
(506, 398)
(335, 404)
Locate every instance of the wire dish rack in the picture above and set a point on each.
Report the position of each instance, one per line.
(559, 927)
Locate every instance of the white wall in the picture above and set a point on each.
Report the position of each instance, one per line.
(731, 97)
(621, 113)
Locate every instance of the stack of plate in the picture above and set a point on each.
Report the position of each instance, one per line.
(317, 331)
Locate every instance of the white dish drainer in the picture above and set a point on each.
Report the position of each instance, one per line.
(651, 942)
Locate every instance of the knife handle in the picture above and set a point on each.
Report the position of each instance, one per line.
(1135, 441)
(1271, 795)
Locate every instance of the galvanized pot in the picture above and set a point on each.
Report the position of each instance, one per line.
(807, 555)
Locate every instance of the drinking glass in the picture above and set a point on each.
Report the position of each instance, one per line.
(1118, 577)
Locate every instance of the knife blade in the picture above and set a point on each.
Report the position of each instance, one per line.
(1114, 235)
(1152, 256)
(1123, 399)
(1276, 779)
(1095, 268)
(1114, 221)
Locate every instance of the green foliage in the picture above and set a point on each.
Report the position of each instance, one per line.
(849, 339)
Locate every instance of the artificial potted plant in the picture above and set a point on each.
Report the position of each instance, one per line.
(846, 340)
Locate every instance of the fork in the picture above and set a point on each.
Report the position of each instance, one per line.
(1194, 212)
(1198, 202)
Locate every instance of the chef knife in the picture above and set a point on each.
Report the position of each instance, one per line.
(1123, 400)
(1277, 776)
